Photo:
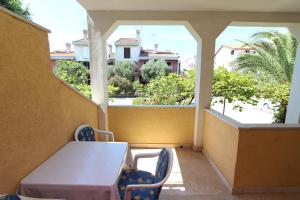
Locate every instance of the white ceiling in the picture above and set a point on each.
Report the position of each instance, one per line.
(201, 5)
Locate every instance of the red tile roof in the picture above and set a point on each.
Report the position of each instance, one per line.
(127, 41)
(57, 55)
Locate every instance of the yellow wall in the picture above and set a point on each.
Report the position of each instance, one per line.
(253, 158)
(152, 125)
(38, 113)
(268, 157)
(220, 141)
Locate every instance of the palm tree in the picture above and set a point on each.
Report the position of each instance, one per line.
(273, 62)
(275, 56)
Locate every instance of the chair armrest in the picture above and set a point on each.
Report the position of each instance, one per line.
(107, 133)
(143, 155)
(130, 188)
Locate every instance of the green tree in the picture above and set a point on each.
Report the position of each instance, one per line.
(167, 90)
(278, 94)
(234, 88)
(153, 69)
(112, 91)
(75, 74)
(272, 63)
(124, 69)
(123, 85)
(17, 7)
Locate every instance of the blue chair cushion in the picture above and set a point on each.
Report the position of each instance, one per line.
(129, 177)
(162, 165)
(86, 134)
(10, 197)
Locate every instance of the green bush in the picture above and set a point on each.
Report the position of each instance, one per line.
(125, 69)
(167, 90)
(112, 91)
(75, 74)
(153, 69)
(124, 85)
(278, 94)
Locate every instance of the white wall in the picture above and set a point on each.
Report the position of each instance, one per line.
(224, 57)
(82, 53)
(134, 53)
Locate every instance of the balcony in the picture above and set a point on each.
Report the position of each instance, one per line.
(220, 158)
(194, 178)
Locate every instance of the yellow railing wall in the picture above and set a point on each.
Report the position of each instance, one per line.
(38, 113)
(152, 125)
(268, 158)
(220, 143)
(254, 157)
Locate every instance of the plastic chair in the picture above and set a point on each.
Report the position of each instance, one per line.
(19, 197)
(87, 133)
(138, 184)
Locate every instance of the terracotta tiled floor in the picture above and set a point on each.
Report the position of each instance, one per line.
(193, 178)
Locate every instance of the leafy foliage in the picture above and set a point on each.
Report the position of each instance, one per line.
(112, 91)
(153, 69)
(273, 66)
(275, 56)
(167, 90)
(123, 85)
(124, 69)
(279, 96)
(75, 74)
(16, 7)
(233, 87)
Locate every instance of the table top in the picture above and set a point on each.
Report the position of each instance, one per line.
(81, 163)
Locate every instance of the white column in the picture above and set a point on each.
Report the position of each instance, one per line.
(293, 110)
(205, 64)
(208, 32)
(98, 67)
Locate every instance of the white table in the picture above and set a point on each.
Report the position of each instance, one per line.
(78, 171)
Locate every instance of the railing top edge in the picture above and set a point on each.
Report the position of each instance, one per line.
(243, 126)
(224, 118)
(152, 106)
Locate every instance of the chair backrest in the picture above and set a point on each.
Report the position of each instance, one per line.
(164, 166)
(10, 197)
(85, 133)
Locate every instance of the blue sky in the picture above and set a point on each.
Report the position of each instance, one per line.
(66, 19)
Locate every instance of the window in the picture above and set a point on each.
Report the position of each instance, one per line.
(126, 52)
(247, 51)
(169, 64)
(232, 52)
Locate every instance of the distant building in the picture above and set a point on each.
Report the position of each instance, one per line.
(127, 49)
(130, 49)
(80, 53)
(66, 54)
(226, 54)
(189, 62)
(170, 58)
(81, 48)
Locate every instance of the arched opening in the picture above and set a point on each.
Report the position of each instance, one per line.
(252, 72)
(151, 65)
